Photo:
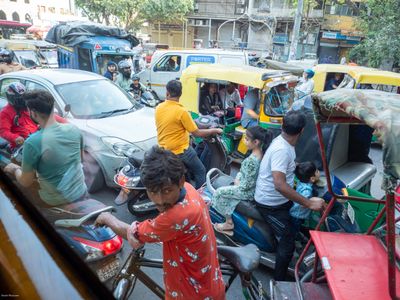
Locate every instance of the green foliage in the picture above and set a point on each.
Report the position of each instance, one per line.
(131, 14)
(123, 12)
(380, 23)
(165, 11)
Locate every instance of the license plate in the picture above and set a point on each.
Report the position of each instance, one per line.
(350, 213)
(109, 270)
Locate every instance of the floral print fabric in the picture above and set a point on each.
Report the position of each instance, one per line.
(227, 198)
(190, 261)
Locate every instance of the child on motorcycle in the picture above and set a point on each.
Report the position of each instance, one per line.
(226, 198)
(307, 174)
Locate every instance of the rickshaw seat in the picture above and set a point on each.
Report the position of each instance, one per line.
(365, 172)
(240, 130)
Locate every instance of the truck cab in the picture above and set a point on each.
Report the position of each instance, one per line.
(94, 54)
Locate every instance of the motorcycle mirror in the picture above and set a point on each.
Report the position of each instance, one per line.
(67, 108)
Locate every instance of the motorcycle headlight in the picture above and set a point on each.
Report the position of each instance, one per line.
(119, 146)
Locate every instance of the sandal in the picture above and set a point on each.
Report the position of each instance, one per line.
(217, 227)
(222, 227)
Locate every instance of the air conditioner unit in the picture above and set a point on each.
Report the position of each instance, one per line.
(241, 2)
(240, 10)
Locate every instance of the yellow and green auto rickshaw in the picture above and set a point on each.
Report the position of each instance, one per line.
(276, 95)
(356, 77)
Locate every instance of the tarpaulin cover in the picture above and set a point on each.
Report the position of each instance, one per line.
(379, 110)
(74, 33)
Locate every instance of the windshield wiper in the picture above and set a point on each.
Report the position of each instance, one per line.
(106, 114)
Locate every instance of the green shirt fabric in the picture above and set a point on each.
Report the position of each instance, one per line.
(55, 154)
(123, 82)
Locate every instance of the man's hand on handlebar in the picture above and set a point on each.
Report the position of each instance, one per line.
(217, 131)
(317, 204)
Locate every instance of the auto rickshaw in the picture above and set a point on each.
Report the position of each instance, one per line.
(354, 266)
(276, 96)
(356, 77)
(25, 52)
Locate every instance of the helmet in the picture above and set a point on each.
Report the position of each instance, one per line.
(125, 68)
(310, 73)
(6, 55)
(14, 93)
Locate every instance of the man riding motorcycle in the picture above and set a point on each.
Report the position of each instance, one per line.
(124, 77)
(6, 62)
(16, 124)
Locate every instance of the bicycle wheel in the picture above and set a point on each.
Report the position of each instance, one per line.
(253, 289)
(124, 288)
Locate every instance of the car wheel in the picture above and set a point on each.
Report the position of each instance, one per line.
(94, 178)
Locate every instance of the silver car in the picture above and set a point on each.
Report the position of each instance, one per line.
(112, 123)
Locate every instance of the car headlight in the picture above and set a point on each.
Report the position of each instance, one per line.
(119, 146)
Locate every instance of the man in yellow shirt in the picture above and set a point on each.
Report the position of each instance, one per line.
(174, 124)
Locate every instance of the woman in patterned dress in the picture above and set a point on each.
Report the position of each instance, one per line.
(226, 198)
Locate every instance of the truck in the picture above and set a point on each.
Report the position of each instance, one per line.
(167, 65)
(89, 46)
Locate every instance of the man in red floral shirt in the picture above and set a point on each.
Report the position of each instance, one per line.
(190, 261)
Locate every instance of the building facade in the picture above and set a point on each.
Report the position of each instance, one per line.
(266, 27)
(37, 11)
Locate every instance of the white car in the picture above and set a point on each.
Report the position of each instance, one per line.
(112, 123)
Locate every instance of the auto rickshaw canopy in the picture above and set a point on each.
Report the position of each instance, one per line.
(223, 74)
(245, 75)
(379, 110)
(361, 75)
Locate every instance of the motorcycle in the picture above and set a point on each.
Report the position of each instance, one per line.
(250, 226)
(128, 177)
(146, 98)
(98, 246)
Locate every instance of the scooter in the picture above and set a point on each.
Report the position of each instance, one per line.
(98, 246)
(250, 226)
(128, 177)
(147, 98)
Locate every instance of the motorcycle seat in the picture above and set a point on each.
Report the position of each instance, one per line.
(245, 259)
(79, 208)
(249, 210)
(223, 180)
(136, 159)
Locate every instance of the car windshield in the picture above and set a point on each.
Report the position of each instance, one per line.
(277, 101)
(28, 58)
(50, 55)
(95, 99)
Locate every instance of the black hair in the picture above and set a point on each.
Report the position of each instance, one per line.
(40, 101)
(305, 170)
(174, 88)
(293, 122)
(261, 134)
(161, 167)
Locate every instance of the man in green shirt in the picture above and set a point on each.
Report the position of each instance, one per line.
(53, 154)
(124, 76)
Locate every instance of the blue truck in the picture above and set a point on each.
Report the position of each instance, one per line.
(90, 46)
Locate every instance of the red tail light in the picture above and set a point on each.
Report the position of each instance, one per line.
(397, 195)
(106, 248)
